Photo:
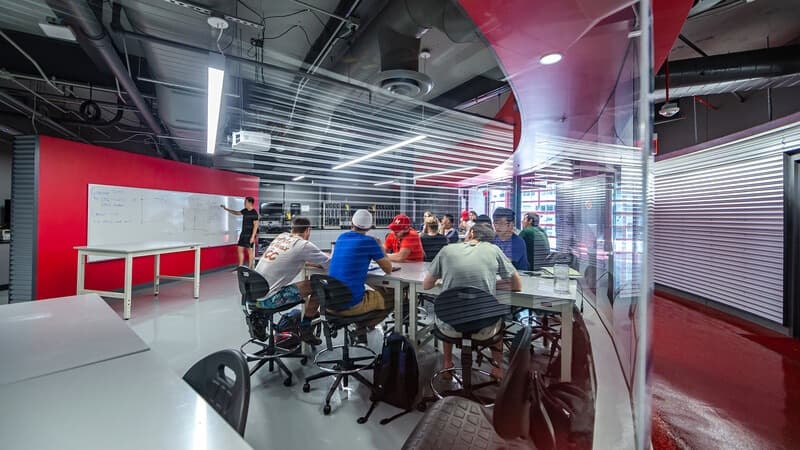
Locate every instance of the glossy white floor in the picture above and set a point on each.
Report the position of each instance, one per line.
(182, 330)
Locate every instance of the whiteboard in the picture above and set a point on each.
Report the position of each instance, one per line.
(122, 215)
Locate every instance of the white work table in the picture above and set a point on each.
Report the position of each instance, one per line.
(537, 292)
(135, 402)
(48, 336)
(130, 251)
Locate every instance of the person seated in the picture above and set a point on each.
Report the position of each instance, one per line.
(536, 241)
(432, 241)
(403, 243)
(475, 263)
(447, 229)
(350, 264)
(512, 245)
(282, 262)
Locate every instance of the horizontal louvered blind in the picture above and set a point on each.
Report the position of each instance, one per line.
(718, 222)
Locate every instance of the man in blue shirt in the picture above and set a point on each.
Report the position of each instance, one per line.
(512, 245)
(353, 252)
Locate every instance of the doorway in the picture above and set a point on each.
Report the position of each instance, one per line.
(791, 251)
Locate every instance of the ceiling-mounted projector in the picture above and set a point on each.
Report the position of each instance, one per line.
(669, 109)
(250, 140)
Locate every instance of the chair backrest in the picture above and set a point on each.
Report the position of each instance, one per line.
(468, 309)
(229, 397)
(513, 402)
(252, 285)
(331, 293)
(542, 430)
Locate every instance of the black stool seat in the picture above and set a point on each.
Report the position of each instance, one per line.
(253, 286)
(458, 424)
(334, 295)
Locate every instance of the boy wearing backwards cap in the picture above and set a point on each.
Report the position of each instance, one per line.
(354, 250)
(403, 243)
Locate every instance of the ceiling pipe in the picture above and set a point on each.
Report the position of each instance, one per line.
(19, 106)
(91, 35)
(770, 62)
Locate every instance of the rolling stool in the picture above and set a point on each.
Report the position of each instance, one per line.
(467, 310)
(253, 286)
(333, 295)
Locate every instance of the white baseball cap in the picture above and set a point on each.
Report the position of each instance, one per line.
(362, 219)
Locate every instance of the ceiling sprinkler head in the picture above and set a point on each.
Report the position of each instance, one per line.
(669, 109)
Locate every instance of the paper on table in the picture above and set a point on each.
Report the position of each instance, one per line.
(548, 271)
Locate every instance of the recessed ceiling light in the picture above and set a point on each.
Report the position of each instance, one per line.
(298, 178)
(551, 58)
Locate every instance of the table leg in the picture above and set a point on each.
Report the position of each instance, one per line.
(81, 272)
(156, 273)
(197, 272)
(566, 342)
(398, 307)
(128, 287)
(412, 313)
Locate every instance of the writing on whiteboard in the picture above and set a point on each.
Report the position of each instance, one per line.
(120, 215)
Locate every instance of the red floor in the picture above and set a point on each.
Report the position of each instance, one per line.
(721, 382)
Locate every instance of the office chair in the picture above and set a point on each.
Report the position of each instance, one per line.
(334, 296)
(467, 310)
(459, 423)
(229, 397)
(262, 327)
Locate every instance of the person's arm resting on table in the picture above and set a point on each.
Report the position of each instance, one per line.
(434, 273)
(385, 264)
(399, 256)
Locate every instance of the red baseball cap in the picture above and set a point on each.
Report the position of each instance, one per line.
(400, 222)
(464, 215)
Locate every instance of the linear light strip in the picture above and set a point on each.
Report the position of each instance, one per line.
(445, 172)
(215, 81)
(384, 183)
(381, 151)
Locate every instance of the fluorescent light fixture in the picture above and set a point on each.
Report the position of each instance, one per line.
(444, 172)
(550, 58)
(383, 183)
(381, 151)
(298, 178)
(216, 78)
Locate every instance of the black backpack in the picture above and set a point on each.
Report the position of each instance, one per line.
(395, 378)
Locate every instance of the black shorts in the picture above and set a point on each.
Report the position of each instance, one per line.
(244, 241)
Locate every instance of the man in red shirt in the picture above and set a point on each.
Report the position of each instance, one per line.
(403, 243)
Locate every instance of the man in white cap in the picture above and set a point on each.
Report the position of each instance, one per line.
(354, 251)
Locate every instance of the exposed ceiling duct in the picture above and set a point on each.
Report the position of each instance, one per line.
(398, 32)
(734, 72)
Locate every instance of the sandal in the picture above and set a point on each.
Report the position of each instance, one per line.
(448, 376)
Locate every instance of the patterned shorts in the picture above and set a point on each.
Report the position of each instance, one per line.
(287, 295)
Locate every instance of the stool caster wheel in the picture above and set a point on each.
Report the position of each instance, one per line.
(326, 410)
(362, 420)
(287, 382)
(422, 407)
(306, 387)
(303, 361)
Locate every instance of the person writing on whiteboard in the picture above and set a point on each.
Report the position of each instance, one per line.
(282, 262)
(247, 238)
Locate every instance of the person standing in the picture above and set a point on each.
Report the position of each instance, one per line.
(403, 243)
(248, 236)
(536, 241)
(512, 245)
(282, 262)
(447, 229)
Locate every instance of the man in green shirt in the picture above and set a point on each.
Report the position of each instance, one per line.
(536, 242)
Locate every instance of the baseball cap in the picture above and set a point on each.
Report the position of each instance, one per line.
(362, 219)
(400, 222)
(483, 218)
(464, 215)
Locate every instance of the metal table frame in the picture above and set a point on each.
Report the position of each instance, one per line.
(128, 252)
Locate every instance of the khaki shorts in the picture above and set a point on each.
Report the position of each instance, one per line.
(373, 300)
(482, 335)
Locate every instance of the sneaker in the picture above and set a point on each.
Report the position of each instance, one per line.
(307, 336)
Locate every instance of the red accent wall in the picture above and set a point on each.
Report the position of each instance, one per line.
(66, 169)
